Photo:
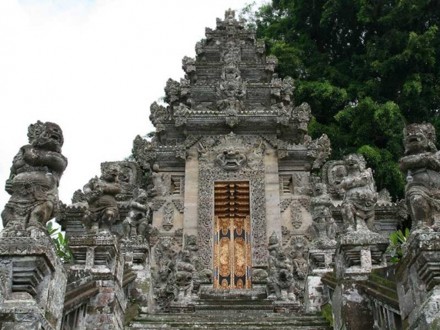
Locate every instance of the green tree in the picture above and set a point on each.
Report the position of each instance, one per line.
(365, 66)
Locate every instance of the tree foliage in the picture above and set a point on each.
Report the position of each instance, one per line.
(365, 66)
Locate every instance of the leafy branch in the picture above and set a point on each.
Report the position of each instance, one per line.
(61, 243)
(397, 239)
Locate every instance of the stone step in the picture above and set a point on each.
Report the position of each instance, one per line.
(225, 320)
(235, 307)
(235, 304)
(256, 293)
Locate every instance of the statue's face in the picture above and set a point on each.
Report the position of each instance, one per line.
(186, 256)
(51, 137)
(352, 164)
(415, 142)
(143, 199)
(319, 189)
(110, 175)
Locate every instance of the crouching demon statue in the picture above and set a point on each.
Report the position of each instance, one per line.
(421, 164)
(33, 183)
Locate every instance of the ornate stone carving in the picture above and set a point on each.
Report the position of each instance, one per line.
(168, 219)
(333, 172)
(252, 147)
(285, 203)
(184, 276)
(100, 194)
(300, 117)
(178, 203)
(231, 160)
(295, 214)
(161, 183)
(165, 256)
(137, 224)
(144, 152)
(360, 195)
(271, 63)
(188, 64)
(421, 164)
(129, 177)
(323, 222)
(319, 150)
(181, 114)
(172, 92)
(280, 281)
(158, 116)
(33, 182)
(156, 204)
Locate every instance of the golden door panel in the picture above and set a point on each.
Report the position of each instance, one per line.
(232, 247)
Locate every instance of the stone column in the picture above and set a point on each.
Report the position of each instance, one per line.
(191, 197)
(272, 192)
(418, 281)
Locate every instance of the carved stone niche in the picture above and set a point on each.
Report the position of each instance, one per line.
(33, 284)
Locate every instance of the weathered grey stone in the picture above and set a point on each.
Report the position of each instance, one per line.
(33, 183)
(421, 164)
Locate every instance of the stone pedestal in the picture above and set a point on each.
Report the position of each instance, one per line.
(33, 284)
(137, 265)
(418, 281)
(321, 261)
(99, 255)
(357, 254)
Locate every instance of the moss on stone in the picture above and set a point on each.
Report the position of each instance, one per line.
(326, 311)
(131, 312)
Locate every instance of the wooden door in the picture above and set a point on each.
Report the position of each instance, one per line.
(232, 245)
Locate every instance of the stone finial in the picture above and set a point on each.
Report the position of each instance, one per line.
(229, 14)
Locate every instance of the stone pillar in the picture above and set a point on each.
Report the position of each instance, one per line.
(272, 192)
(33, 284)
(418, 281)
(99, 255)
(191, 197)
(357, 253)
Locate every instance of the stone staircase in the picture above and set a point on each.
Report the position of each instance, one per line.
(228, 313)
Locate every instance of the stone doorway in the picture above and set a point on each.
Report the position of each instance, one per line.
(232, 232)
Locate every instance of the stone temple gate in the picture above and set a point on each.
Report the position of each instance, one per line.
(230, 216)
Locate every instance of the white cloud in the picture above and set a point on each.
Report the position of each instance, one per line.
(93, 67)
